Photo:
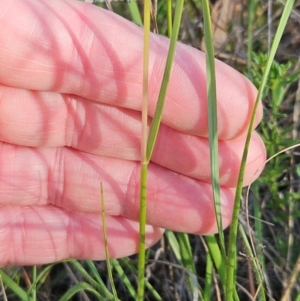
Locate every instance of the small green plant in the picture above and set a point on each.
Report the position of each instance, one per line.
(280, 196)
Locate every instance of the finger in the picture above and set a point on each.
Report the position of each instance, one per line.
(50, 119)
(64, 46)
(71, 180)
(26, 230)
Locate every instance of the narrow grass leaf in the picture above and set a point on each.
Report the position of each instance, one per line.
(99, 286)
(208, 278)
(13, 286)
(164, 86)
(143, 177)
(94, 271)
(118, 268)
(212, 119)
(107, 258)
(77, 288)
(187, 256)
(186, 252)
(258, 227)
(2, 291)
(40, 278)
(148, 285)
(148, 144)
(255, 264)
(174, 244)
(142, 245)
(135, 13)
(169, 17)
(33, 286)
(231, 261)
(217, 258)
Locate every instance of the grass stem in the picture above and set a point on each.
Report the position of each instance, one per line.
(232, 252)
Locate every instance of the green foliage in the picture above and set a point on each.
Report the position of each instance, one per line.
(281, 76)
(276, 196)
(276, 135)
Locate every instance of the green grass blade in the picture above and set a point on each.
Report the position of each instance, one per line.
(38, 279)
(107, 258)
(220, 264)
(99, 286)
(255, 264)
(174, 244)
(143, 177)
(148, 145)
(212, 119)
(142, 245)
(147, 5)
(216, 256)
(258, 227)
(186, 252)
(148, 285)
(118, 268)
(2, 290)
(14, 286)
(233, 229)
(135, 13)
(164, 86)
(169, 17)
(33, 286)
(81, 286)
(208, 278)
(182, 250)
(154, 293)
(94, 272)
(187, 258)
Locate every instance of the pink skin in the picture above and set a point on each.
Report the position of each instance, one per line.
(70, 101)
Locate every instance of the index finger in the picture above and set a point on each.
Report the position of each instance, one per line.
(72, 47)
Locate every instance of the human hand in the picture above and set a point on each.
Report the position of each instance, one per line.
(70, 103)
